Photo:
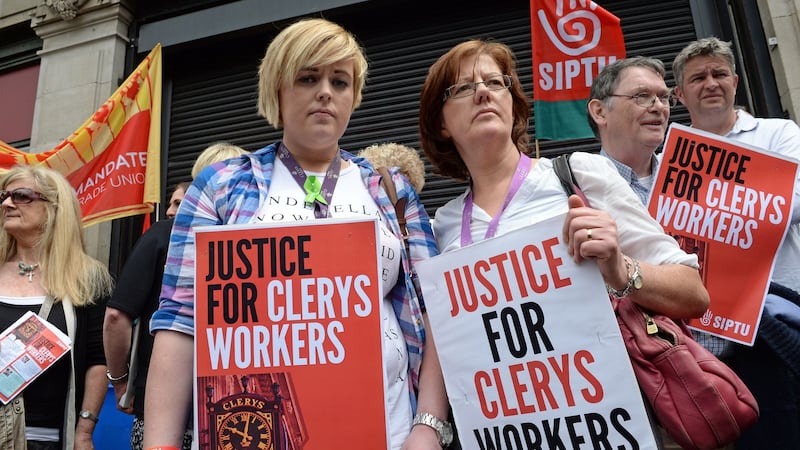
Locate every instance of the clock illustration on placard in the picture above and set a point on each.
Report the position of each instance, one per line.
(246, 421)
(245, 430)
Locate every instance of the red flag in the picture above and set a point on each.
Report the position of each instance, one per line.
(113, 159)
(572, 41)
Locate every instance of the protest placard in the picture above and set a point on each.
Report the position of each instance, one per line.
(288, 336)
(730, 203)
(529, 346)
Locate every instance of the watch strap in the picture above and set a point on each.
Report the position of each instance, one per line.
(632, 279)
(86, 414)
(443, 429)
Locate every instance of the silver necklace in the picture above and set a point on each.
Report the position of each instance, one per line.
(25, 269)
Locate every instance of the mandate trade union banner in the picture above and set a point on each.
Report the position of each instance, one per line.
(113, 159)
(572, 41)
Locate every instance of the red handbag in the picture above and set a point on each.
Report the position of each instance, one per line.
(698, 399)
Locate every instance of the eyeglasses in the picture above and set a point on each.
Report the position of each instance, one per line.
(466, 89)
(21, 196)
(648, 100)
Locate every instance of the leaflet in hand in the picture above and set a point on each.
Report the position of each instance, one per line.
(27, 348)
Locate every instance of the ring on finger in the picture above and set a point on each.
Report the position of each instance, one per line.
(589, 233)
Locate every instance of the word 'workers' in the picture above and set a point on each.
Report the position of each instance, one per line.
(724, 209)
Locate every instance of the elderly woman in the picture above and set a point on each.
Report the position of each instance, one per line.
(42, 236)
(310, 81)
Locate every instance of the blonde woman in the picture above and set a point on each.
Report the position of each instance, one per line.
(43, 257)
(217, 152)
(310, 82)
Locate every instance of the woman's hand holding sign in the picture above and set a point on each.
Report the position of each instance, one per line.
(592, 234)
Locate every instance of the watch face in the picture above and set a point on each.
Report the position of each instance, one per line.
(245, 430)
(447, 434)
(637, 282)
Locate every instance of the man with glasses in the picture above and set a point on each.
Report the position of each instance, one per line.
(706, 83)
(628, 111)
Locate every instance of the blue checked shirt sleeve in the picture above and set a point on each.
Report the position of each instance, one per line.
(422, 245)
(633, 181)
(176, 307)
(408, 307)
(224, 193)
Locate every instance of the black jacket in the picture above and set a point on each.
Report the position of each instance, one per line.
(137, 293)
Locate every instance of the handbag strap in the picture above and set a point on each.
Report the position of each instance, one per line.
(69, 410)
(47, 305)
(400, 212)
(399, 204)
(564, 173)
(69, 413)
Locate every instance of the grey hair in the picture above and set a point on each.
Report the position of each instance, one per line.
(710, 46)
(607, 81)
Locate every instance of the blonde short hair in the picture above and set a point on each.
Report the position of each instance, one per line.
(397, 155)
(307, 43)
(215, 153)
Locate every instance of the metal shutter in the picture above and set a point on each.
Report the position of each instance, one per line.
(402, 39)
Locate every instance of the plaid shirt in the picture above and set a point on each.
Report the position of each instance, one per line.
(233, 191)
(630, 176)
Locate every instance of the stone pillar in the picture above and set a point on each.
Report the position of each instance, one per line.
(82, 64)
(782, 28)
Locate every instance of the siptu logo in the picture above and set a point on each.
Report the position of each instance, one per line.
(706, 319)
(572, 28)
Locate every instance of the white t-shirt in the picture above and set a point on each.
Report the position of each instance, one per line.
(781, 136)
(351, 199)
(541, 196)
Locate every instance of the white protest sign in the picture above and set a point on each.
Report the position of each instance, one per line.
(529, 346)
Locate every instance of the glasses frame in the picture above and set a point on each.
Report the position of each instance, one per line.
(473, 87)
(639, 98)
(22, 196)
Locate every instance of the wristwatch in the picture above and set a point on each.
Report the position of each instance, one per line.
(635, 280)
(442, 428)
(86, 414)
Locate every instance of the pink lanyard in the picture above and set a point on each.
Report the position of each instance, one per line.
(523, 167)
